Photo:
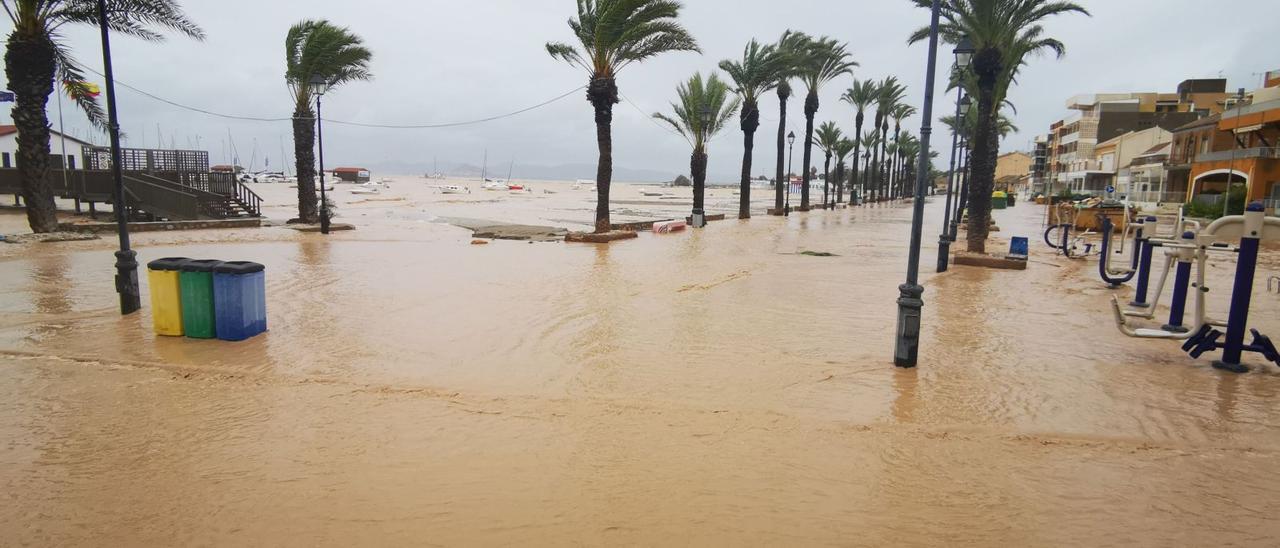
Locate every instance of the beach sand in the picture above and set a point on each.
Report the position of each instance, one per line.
(711, 387)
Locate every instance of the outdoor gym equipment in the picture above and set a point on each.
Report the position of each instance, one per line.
(1112, 276)
(1249, 230)
(1059, 237)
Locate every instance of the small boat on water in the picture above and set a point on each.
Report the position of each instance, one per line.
(494, 185)
(585, 184)
(653, 193)
(453, 189)
(516, 188)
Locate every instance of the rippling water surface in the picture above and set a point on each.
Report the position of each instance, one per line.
(711, 387)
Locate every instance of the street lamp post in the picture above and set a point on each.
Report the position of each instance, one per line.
(319, 85)
(791, 143)
(1231, 166)
(907, 346)
(126, 258)
(962, 182)
(964, 54)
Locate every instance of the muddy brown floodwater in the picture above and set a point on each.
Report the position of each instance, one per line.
(706, 388)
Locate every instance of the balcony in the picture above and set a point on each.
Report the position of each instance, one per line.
(1239, 154)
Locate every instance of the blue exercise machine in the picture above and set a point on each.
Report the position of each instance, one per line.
(1192, 247)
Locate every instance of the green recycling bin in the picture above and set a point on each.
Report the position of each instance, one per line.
(196, 282)
(999, 200)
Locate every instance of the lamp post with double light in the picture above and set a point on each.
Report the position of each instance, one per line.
(964, 55)
(791, 144)
(910, 303)
(319, 86)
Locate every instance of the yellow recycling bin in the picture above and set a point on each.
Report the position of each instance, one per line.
(166, 295)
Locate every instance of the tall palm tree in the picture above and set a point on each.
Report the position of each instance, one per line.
(825, 60)
(791, 46)
(861, 95)
(899, 113)
(908, 146)
(36, 53)
(760, 71)
(612, 34)
(828, 137)
(317, 48)
(704, 108)
(890, 93)
(842, 150)
(1004, 33)
(869, 142)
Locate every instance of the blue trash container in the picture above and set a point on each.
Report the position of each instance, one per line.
(240, 300)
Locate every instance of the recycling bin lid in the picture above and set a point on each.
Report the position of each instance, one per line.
(200, 265)
(238, 267)
(167, 263)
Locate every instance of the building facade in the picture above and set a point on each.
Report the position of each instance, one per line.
(9, 149)
(1073, 162)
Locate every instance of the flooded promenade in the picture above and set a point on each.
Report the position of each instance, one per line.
(715, 387)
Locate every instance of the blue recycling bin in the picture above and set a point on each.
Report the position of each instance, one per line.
(240, 300)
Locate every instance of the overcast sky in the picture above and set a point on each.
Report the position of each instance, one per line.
(437, 61)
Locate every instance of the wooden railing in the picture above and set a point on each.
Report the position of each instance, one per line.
(205, 191)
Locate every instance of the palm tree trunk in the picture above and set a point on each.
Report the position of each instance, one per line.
(839, 183)
(779, 185)
(986, 65)
(810, 109)
(857, 144)
(826, 181)
(750, 122)
(883, 171)
(873, 173)
(30, 66)
(698, 168)
(603, 94)
(304, 152)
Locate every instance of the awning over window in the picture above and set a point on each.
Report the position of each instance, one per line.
(1248, 129)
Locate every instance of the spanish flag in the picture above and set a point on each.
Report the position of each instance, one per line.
(91, 89)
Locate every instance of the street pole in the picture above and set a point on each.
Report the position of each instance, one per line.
(962, 197)
(324, 204)
(126, 258)
(791, 142)
(910, 303)
(944, 239)
(1231, 166)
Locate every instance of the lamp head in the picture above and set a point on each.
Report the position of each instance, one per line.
(964, 53)
(791, 138)
(318, 85)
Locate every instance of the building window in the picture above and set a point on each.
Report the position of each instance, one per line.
(4, 160)
(71, 161)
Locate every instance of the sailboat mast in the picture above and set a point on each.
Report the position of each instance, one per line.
(484, 171)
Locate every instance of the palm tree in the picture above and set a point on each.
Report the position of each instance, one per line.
(842, 150)
(890, 93)
(828, 137)
(36, 53)
(824, 61)
(899, 113)
(760, 71)
(611, 35)
(317, 48)
(869, 142)
(791, 45)
(704, 109)
(860, 95)
(1004, 33)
